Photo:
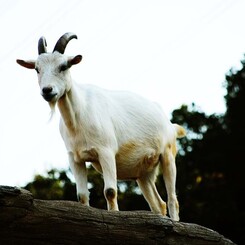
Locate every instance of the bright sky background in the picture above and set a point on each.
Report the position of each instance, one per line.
(173, 52)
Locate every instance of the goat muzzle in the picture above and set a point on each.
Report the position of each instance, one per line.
(48, 93)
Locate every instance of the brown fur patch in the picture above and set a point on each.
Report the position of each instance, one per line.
(152, 160)
(174, 149)
(164, 208)
(170, 149)
(125, 150)
(66, 110)
(136, 158)
(82, 199)
(110, 194)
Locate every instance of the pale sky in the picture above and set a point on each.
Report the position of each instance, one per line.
(173, 52)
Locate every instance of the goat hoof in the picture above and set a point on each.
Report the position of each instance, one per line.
(78, 198)
(83, 199)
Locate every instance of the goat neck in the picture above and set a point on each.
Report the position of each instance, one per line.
(68, 110)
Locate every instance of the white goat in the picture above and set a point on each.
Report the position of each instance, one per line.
(123, 135)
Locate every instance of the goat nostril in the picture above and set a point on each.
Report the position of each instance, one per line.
(47, 90)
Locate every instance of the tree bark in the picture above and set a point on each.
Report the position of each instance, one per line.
(24, 220)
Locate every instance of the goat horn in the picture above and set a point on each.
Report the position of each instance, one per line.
(42, 45)
(63, 41)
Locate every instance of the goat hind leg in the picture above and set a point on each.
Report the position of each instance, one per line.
(148, 188)
(169, 176)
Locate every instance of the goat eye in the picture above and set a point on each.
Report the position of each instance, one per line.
(63, 67)
(37, 70)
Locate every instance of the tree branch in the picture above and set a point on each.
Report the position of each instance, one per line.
(24, 220)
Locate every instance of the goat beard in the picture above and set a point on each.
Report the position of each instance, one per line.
(52, 105)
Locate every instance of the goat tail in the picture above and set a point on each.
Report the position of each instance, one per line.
(180, 131)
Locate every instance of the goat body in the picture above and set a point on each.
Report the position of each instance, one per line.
(123, 135)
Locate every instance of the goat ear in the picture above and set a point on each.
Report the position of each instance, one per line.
(75, 60)
(30, 64)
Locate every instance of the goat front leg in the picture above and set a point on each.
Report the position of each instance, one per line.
(80, 174)
(108, 165)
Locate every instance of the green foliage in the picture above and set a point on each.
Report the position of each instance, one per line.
(210, 163)
(55, 185)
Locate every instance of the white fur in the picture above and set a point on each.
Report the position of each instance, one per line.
(123, 135)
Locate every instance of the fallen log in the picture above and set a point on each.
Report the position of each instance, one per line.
(25, 220)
